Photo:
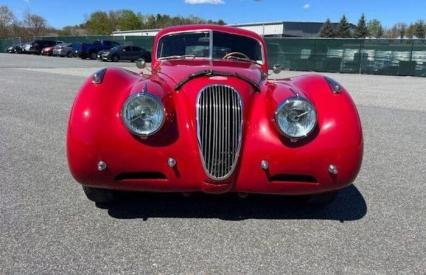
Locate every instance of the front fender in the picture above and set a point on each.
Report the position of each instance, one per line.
(337, 140)
(95, 114)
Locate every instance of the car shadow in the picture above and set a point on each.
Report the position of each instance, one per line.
(348, 206)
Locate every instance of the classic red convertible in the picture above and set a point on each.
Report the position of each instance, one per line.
(208, 119)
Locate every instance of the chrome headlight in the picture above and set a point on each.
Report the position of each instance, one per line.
(143, 114)
(296, 117)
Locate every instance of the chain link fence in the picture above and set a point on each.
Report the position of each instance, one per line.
(405, 57)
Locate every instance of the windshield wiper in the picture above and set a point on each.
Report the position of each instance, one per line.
(177, 57)
(217, 73)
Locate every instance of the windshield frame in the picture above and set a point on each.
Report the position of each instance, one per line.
(211, 44)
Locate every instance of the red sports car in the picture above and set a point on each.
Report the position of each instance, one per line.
(208, 119)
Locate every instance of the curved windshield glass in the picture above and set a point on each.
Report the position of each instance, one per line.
(197, 45)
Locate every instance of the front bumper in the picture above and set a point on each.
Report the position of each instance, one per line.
(133, 165)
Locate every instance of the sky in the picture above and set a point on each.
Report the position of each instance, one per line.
(60, 13)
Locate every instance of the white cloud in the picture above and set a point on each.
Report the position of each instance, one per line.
(306, 6)
(196, 2)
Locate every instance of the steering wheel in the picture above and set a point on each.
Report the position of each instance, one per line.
(236, 54)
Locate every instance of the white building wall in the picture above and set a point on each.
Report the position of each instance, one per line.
(136, 33)
(259, 28)
(266, 29)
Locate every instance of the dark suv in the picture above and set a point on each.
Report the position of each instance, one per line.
(37, 45)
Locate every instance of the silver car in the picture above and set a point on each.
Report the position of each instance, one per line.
(64, 49)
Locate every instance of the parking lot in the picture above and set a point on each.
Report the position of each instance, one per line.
(48, 226)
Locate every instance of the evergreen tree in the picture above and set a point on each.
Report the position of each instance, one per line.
(380, 32)
(344, 29)
(361, 30)
(419, 31)
(327, 29)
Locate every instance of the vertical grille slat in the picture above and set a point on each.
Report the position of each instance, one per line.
(219, 127)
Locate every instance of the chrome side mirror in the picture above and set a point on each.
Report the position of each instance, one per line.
(276, 68)
(141, 63)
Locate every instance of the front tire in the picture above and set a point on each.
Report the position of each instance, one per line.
(115, 58)
(100, 195)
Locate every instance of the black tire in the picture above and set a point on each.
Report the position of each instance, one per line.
(93, 55)
(69, 54)
(100, 195)
(115, 58)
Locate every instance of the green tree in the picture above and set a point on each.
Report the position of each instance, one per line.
(128, 20)
(380, 32)
(419, 30)
(375, 28)
(361, 30)
(344, 28)
(327, 29)
(104, 23)
(410, 30)
(99, 23)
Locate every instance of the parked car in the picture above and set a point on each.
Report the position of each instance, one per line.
(91, 50)
(36, 46)
(209, 119)
(130, 53)
(17, 48)
(65, 49)
(47, 51)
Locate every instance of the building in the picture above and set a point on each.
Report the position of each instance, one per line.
(267, 29)
(151, 32)
(285, 28)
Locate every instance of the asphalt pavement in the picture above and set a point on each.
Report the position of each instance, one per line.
(376, 226)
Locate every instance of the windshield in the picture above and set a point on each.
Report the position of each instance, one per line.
(197, 45)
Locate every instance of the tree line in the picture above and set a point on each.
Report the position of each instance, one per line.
(101, 22)
(97, 23)
(372, 29)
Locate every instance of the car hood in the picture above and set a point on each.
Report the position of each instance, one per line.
(179, 70)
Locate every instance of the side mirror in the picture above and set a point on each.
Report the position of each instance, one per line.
(141, 63)
(276, 68)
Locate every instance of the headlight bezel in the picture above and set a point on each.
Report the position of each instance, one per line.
(282, 105)
(127, 124)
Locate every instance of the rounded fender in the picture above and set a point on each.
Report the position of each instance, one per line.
(96, 115)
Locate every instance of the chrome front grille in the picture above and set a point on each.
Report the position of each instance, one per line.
(219, 127)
